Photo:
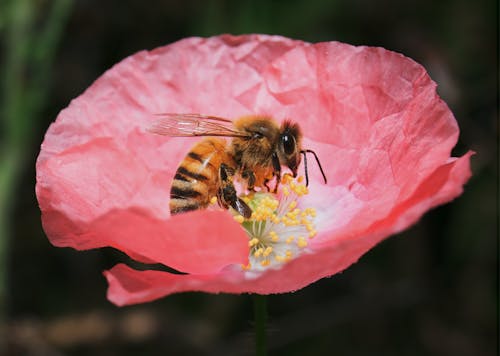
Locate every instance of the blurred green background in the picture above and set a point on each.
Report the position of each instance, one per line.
(432, 290)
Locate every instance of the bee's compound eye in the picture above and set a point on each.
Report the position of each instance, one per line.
(288, 142)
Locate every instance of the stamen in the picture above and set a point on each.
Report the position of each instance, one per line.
(301, 242)
(265, 263)
(239, 218)
(279, 228)
(267, 251)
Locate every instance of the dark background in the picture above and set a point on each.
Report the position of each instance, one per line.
(432, 290)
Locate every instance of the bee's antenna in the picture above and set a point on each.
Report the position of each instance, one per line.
(317, 161)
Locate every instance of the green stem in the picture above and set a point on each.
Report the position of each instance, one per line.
(260, 315)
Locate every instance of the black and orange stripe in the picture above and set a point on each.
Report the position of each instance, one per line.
(196, 180)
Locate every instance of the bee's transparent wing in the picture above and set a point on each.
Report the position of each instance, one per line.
(187, 125)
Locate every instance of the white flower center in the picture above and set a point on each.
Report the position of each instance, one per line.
(279, 229)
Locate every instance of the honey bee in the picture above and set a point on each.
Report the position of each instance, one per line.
(258, 148)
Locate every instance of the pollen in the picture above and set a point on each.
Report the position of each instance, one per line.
(267, 251)
(301, 242)
(279, 228)
(259, 252)
(265, 263)
(239, 219)
(279, 258)
(213, 200)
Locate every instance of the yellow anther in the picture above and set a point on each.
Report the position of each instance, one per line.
(274, 218)
(265, 262)
(300, 190)
(309, 226)
(258, 252)
(287, 178)
(287, 221)
(267, 251)
(246, 267)
(301, 242)
(274, 236)
(213, 200)
(239, 218)
(253, 242)
(311, 212)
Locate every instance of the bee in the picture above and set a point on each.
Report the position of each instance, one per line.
(258, 148)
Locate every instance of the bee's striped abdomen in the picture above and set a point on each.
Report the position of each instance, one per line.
(196, 180)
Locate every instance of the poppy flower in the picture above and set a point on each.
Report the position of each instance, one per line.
(383, 136)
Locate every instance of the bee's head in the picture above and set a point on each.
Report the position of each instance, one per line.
(289, 146)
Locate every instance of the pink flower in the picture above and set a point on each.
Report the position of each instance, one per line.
(383, 135)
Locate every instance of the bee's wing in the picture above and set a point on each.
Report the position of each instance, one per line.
(187, 125)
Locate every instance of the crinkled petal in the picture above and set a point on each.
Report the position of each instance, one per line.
(383, 136)
(128, 286)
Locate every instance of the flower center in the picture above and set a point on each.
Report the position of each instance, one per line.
(279, 228)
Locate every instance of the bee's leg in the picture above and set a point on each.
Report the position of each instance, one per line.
(227, 195)
(220, 198)
(249, 176)
(276, 170)
(265, 184)
(226, 172)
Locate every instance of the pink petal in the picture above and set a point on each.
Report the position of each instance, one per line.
(128, 286)
(197, 242)
(97, 165)
(383, 135)
(94, 195)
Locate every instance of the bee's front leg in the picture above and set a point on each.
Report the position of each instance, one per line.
(276, 171)
(266, 181)
(249, 176)
(227, 195)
